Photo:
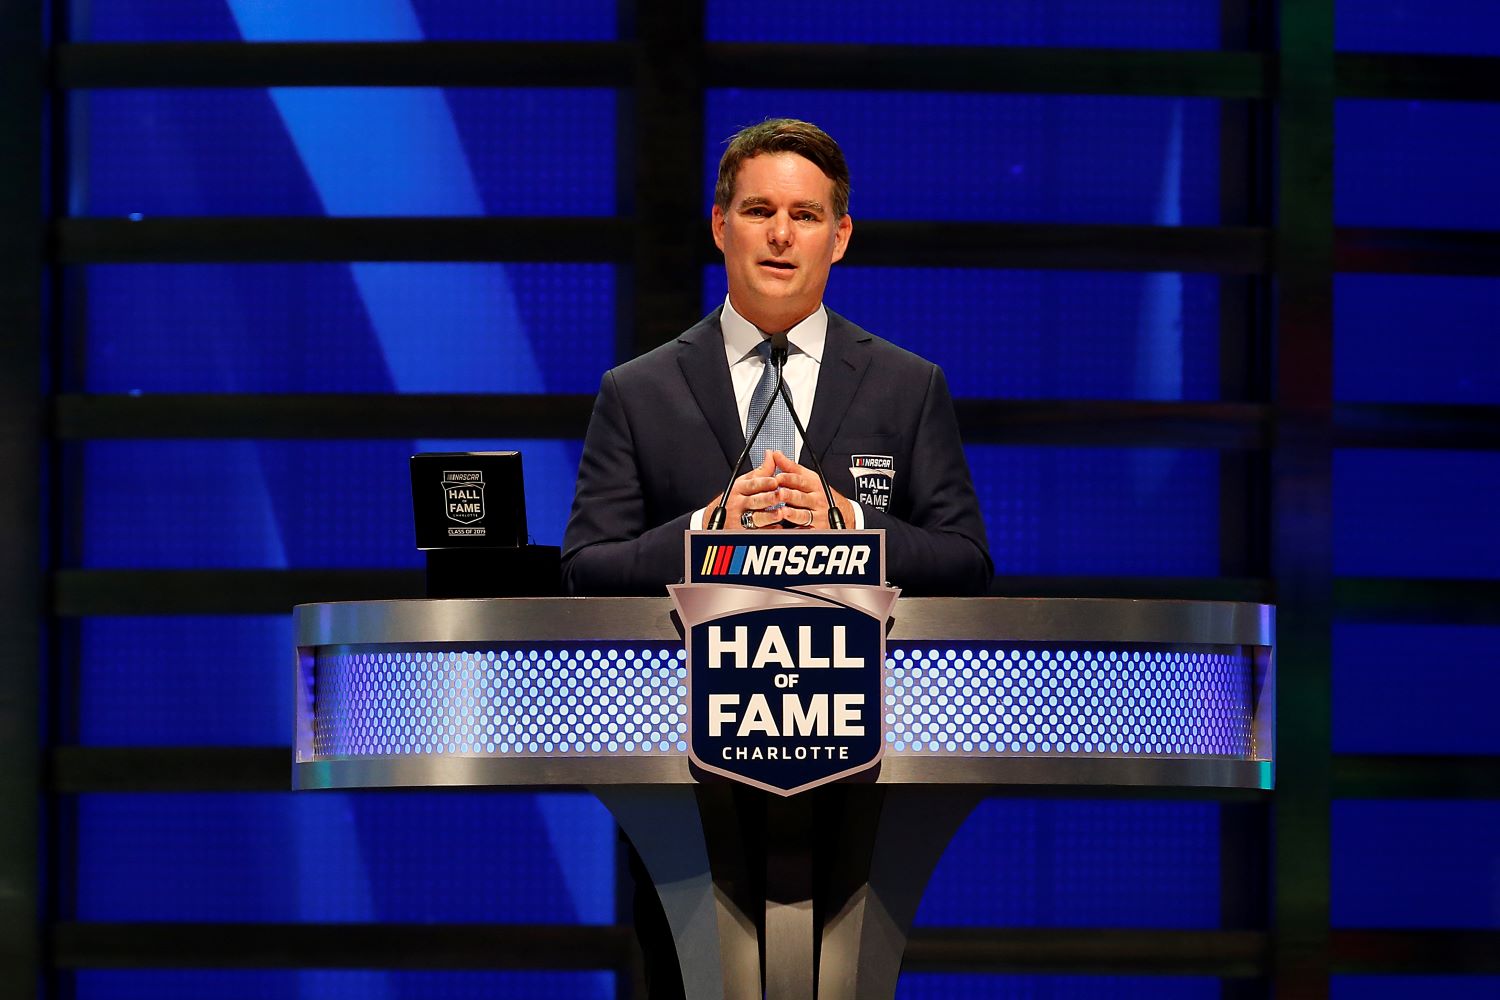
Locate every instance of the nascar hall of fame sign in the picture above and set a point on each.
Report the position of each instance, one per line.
(463, 502)
(786, 650)
(874, 475)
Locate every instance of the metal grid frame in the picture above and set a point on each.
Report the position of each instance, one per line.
(1276, 429)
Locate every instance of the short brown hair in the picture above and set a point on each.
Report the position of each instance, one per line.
(784, 135)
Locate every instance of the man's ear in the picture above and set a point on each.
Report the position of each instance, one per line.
(716, 224)
(841, 237)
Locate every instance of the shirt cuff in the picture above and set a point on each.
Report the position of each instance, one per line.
(859, 515)
(699, 516)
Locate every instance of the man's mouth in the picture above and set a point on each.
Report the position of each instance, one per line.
(780, 265)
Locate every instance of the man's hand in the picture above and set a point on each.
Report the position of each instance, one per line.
(802, 492)
(753, 492)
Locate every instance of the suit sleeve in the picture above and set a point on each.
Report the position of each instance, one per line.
(608, 548)
(941, 549)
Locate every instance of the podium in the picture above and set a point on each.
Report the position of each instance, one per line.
(813, 895)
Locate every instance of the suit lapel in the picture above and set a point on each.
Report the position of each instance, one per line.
(845, 358)
(700, 355)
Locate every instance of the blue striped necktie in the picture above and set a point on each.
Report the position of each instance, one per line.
(778, 432)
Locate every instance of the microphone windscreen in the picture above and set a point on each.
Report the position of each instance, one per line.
(779, 346)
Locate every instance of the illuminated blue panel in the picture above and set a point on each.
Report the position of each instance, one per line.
(1423, 164)
(974, 986)
(1167, 24)
(272, 504)
(1002, 157)
(1100, 511)
(1067, 700)
(380, 151)
(1415, 689)
(1038, 334)
(189, 681)
(1416, 339)
(1415, 987)
(342, 984)
(507, 701)
(1467, 27)
(1416, 864)
(409, 856)
(325, 327)
(1049, 863)
(329, 20)
(1417, 514)
(574, 699)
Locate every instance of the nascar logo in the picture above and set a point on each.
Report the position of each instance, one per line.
(784, 560)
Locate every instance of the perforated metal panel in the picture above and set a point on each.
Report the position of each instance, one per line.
(1014, 699)
(621, 698)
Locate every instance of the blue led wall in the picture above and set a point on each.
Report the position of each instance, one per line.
(363, 327)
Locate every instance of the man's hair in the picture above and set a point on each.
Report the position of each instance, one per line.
(784, 135)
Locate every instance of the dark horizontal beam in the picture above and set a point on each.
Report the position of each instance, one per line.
(78, 592)
(1380, 425)
(339, 946)
(878, 243)
(1153, 72)
(1145, 588)
(1231, 250)
(1416, 952)
(80, 769)
(85, 592)
(1370, 776)
(1229, 954)
(602, 64)
(1108, 423)
(1417, 77)
(1092, 951)
(1445, 602)
(82, 417)
(344, 64)
(319, 238)
(1222, 250)
(1034, 70)
(1417, 251)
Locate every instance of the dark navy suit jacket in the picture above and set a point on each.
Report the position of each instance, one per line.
(664, 432)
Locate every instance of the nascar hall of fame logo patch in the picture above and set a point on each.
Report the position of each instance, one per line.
(874, 475)
(463, 501)
(786, 651)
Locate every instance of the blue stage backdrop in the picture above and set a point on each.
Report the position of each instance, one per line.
(550, 328)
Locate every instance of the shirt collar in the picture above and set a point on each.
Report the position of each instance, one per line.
(741, 337)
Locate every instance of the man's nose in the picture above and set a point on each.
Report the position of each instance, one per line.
(780, 232)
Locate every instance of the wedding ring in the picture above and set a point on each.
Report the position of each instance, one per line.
(747, 520)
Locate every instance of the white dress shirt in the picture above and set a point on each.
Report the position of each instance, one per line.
(800, 374)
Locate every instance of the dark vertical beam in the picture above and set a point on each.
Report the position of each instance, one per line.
(1244, 512)
(22, 456)
(1302, 461)
(671, 225)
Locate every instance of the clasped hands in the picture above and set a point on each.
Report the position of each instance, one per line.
(780, 494)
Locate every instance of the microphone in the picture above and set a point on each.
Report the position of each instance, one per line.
(778, 360)
(835, 516)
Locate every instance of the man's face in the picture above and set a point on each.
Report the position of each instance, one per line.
(779, 238)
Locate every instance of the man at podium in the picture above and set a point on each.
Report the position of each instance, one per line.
(667, 426)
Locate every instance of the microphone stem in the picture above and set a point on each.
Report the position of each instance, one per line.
(717, 516)
(835, 516)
